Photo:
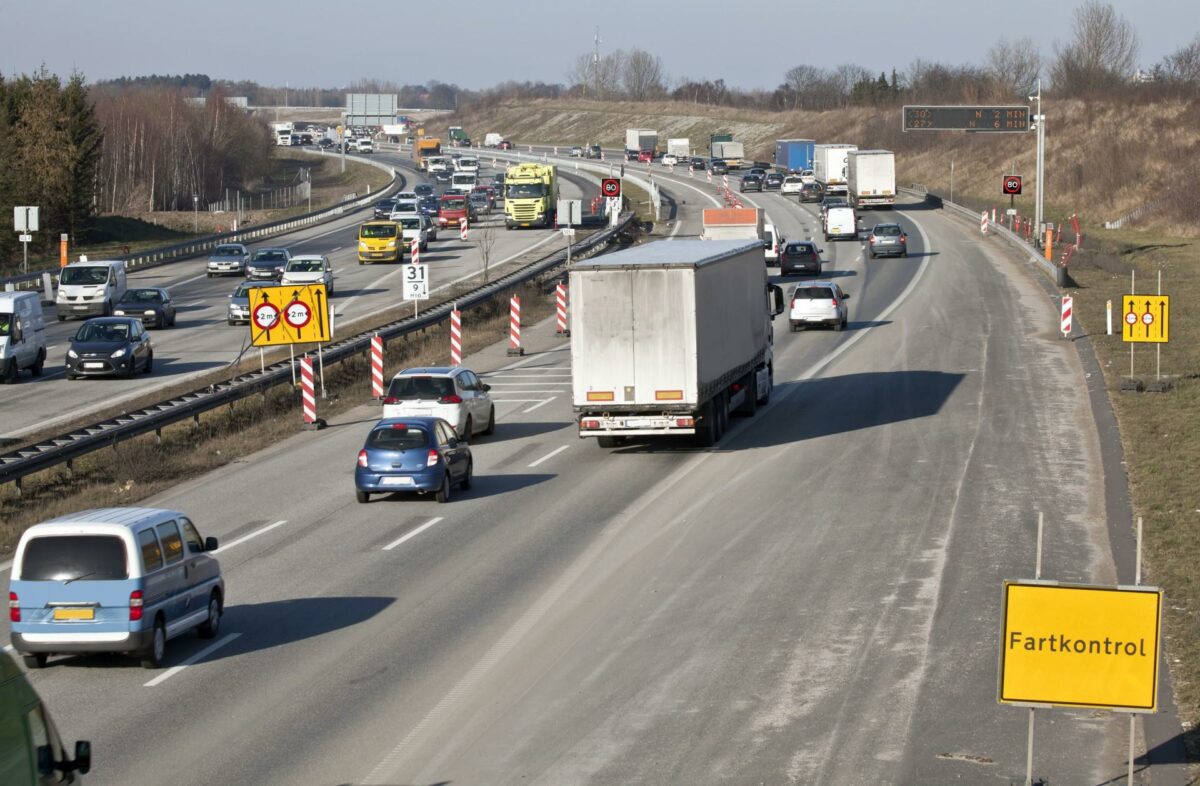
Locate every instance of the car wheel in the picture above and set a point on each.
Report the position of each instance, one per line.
(491, 426)
(35, 661)
(172, 322)
(210, 275)
(904, 254)
(149, 363)
(839, 325)
(871, 254)
(108, 308)
(212, 624)
(467, 430)
(72, 376)
(36, 368)
(362, 496)
(61, 318)
(443, 494)
(465, 483)
(154, 655)
(233, 321)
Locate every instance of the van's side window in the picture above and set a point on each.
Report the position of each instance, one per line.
(151, 553)
(172, 544)
(47, 749)
(192, 537)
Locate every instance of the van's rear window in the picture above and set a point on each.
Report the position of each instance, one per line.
(62, 557)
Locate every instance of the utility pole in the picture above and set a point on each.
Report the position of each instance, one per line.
(1039, 192)
(195, 214)
(596, 63)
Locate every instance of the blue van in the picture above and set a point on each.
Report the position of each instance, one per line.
(113, 580)
(32, 752)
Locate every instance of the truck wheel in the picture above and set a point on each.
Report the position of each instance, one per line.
(766, 399)
(606, 442)
(750, 405)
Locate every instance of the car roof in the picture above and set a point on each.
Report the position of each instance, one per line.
(308, 258)
(112, 320)
(420, 420)
(127, 518)
(889, 224)
(817, 283)
(443, 371)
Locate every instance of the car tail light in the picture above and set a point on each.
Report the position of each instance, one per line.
(14, 608)
(904, 238)
(450, 400)
(362, 458)
(391, 400)
(833, 301)
(793, 302)
(432, 458)
(135, 605)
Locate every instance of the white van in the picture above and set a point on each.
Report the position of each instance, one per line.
(841, 224)
(364, 145)
(88, 288)
(467, 165)
(463, 181)
(22, 334)
(771, 243)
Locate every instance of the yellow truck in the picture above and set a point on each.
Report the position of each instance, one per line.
(530, 195)
(380, 241)
(425, 148)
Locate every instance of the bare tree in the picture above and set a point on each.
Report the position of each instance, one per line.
(1102, 54)
(600, 79)
(485, 240)
(1015, 65)
(1183, 65)
(643, 75)
(804, 81)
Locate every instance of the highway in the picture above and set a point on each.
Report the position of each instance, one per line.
(202, 341)
(815, 600)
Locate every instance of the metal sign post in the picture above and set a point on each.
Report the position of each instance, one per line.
(25, 221)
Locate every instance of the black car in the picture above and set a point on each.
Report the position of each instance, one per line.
(799, 256)
(698, 163)
(631, 155)
(773, 180)
(383, 208)
(110, 346)
(423, 189)
(751, 182)
(151, 305)
(718, 166)
(443, 176)
(763, 165)
(811, 192)
(267, 264)
(428, 206)
(325, 143)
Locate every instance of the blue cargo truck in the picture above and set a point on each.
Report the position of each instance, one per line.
(794, 155)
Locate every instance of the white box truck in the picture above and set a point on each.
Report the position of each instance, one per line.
(670, 339)
(732, 223)
(871, 178)
(641, 140)
(829, 166)
(732, 153)
(680, 148)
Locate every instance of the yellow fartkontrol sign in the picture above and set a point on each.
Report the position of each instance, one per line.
(292, 314)
(1145, 319)
(1080, 646)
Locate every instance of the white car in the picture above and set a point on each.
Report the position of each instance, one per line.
(791, 184)
(402, 208)
(808, 176)
(309, 269)
(437, 164)
(415, 227)
(670, 159)
(408, 196)
(818, 303)
(454, 394)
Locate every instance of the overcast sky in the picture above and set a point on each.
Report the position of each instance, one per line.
(328, 43)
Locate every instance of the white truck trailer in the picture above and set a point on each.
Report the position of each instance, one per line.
(641, 140)
(732, 223)
(670, 339)
(829, 166)
(871, 178)
(679, 147)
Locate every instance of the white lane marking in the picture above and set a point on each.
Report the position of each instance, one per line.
(253, 534)
(535, 406)
(517, 400)
(187, 281)
(548, 456)
(194, 303)
(191, 661)
(335, 249)
(531, 358)
(412, 534)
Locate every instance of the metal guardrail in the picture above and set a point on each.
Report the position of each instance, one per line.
(1057, 273)
(163, 254)
(65, 448)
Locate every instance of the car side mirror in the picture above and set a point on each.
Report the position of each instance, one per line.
(845, 296)
(453, 442)
(83, 756)
(485, 387)
(210, 543)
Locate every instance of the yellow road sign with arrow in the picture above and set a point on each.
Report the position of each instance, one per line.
(1145, 319)
(292, 314)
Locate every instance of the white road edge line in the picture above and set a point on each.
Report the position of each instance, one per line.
(548, 456)
(412, 534)
(535, 406)
(253, 534)
(191, 661)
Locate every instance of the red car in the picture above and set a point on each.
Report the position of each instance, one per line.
(452, 207)
(646, 156)
(505, 145)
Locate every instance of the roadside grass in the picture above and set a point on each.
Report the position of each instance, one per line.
(1160, 431)
(136, 469)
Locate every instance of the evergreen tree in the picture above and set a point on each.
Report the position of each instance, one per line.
(84, 146)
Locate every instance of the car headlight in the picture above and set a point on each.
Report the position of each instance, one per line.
(149, 313)
(72, 353)
(120, 353)
(120, 312)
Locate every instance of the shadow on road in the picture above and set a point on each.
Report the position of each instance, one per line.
(509, 431)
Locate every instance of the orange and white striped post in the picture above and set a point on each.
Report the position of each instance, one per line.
(560, 307)
(462, 229)
(414, 250)
(455, 337)
(308, 396)
(514, 326)
(377, 366)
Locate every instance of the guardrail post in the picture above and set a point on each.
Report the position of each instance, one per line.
(158, 436)
(17, 486)
(70, 468)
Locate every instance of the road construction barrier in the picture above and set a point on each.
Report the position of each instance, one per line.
(560, 310)
(377, 366)
(514, 326)
(415, 251)
(462, 229)
(308, 393)
(455, 337)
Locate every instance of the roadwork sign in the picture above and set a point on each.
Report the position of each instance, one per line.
(1080, 646)
(1145, 319)
(416, 282)
(293, 314)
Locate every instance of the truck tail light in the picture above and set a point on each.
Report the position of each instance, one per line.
(362, 458)
(450, 400)
(135, 605)
(589, 424)
(685, 422)
(14, 608)
(432, 458)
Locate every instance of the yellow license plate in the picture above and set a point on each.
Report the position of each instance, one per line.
(74, 614)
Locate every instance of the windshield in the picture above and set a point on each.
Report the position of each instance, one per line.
(892, 230)
(142, 296)
(413, 388)
(60, 558)
(305, 266)
(397, 437)
(454, 203)
(270, 256)
(227, 251)
(5, 323)
(84, 275)
(377, 230)
(243, 290)
(110, 332)
(525, 190)
(464, 179)
(410, 223)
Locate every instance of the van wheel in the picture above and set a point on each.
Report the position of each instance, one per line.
(10, 372)
(154, 655)
(36, 368)
(108, 308)
(35, 661)
(443, 494)
(211, 626)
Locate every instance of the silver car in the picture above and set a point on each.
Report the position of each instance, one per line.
(454, 394)
(228, 259)
(239, 301)
(887, 240)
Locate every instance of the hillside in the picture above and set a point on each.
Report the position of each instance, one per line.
(1103, 159)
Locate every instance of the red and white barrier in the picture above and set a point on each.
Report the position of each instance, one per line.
(983, 222)
(725, 180)
(560, 309)
(414, 250)
(462, 229)
(377, 366)
(455, 337)
(308, 395)
(1066, 315)
(514, 326)
(691, 171)
(709, 173)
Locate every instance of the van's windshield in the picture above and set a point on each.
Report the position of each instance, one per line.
(68, 557)
(83, 275)
(5, 324)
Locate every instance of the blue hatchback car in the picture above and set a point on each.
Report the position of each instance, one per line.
(113, 580)
(420, 454)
